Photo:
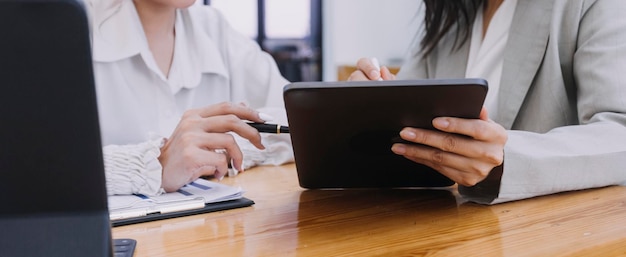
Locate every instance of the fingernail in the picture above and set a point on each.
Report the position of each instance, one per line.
(375, 62)
(241, 170)
(398, 149)
(408, 135)
(442, 123)
(374, 74)
(265, 116)
(232, 172)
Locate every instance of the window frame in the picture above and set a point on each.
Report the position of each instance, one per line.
(313, 42)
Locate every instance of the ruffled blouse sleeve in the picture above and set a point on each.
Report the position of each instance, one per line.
(133, 169)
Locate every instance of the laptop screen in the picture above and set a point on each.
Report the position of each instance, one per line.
(50, 151)
(52, 185)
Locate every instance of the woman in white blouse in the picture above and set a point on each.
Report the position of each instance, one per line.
(556, 101)
(171, 81)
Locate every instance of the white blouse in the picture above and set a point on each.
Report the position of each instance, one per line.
(139, 106)
(486, 55)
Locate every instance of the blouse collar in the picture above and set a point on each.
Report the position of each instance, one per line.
(118, 34)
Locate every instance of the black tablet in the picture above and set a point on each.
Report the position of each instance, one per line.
(342, 132)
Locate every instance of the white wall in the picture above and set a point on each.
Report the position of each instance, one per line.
(367, 28)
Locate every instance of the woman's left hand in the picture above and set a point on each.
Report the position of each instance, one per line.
(366, 70)
(464, 150)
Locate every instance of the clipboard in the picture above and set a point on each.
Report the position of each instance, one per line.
(211, 207)
(199, 196)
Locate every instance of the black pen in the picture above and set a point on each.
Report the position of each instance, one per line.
(269, 128)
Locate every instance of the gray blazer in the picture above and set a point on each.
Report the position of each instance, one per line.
(562, 98)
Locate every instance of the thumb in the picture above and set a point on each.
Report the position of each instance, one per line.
(484, 115)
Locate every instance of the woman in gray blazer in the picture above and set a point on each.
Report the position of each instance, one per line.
(557, 114)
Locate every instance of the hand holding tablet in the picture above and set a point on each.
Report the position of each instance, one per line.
(362, 120)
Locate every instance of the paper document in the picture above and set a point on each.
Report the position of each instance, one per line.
(194, 195)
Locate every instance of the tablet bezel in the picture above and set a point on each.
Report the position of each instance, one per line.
(342, 132)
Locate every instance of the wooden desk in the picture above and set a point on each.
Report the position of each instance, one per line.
(289, 221)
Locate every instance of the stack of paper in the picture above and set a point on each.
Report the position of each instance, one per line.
(195, 195)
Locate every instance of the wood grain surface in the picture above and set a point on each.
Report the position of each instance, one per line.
(288, 220)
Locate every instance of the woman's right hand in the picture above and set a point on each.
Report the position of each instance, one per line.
(190, 152)
(366, 70)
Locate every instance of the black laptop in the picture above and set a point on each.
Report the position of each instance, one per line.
(52, 185)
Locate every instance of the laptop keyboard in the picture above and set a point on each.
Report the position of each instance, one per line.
(124, 247)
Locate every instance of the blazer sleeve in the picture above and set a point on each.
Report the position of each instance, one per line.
(592, 153)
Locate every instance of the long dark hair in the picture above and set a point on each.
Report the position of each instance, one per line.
(441, 15)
